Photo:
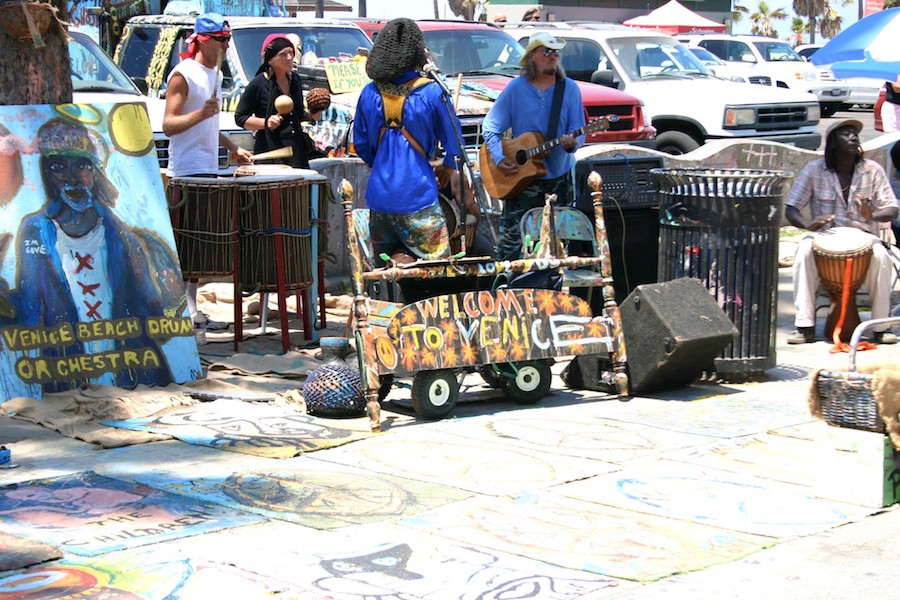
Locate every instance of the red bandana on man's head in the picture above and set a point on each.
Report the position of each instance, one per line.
(193, 47)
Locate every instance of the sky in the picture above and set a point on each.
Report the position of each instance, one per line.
(424, 9)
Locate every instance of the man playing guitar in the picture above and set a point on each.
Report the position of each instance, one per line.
(541, 99)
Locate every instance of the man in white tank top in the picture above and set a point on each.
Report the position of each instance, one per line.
(191, 120)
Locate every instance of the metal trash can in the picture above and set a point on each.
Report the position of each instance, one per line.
(722, 226)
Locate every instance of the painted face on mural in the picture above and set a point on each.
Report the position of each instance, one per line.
(72, 178)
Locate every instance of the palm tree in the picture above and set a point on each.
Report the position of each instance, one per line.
(799, 28)
(763, 20)
(464, 8)
(812, 10)
(738, 12)
(831, 23)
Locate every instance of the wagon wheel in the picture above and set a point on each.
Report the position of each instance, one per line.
(531, 382)
(434, 393)
(490, 376)
(386, 381)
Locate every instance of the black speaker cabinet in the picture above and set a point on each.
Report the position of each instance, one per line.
(673, 332)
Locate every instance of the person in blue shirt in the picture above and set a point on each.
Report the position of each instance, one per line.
(405, 132)
(401, 121)
(525, 106)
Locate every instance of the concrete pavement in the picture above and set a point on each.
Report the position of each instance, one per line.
(717, 490)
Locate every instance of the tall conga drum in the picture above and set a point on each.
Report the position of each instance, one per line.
(275, 231)
(842, 256)
(202, 212)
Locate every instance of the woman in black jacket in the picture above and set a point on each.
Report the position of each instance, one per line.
(276, 125)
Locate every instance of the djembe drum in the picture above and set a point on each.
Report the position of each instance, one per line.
(842, 256)
(453, 214)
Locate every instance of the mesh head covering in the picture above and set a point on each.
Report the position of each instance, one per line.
(398, 48)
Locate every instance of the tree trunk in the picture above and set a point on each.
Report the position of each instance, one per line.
(436, 14)
(362, 8)
(31, 75)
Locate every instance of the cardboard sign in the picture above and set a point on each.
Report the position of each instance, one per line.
(91, 288)
(482, 327)
(346, 76)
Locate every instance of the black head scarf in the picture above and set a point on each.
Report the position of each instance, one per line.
(272, 48)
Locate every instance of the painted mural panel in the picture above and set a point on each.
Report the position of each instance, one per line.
(91, 289)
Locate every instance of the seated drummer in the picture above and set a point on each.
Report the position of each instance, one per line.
(843, 189)
(406, 220)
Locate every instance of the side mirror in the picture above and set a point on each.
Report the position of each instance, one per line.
(604, 77)
(747, 57)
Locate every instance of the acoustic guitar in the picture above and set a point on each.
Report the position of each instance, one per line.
(527, 150)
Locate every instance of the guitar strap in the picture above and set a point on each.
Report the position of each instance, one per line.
(393, 96)
(555, 108)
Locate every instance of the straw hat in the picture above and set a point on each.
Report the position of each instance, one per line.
(542, 38)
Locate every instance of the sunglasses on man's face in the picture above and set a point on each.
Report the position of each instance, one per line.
(551, 52)
(222, 39)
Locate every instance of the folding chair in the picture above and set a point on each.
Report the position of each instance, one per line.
(572, 225)
(890, 244)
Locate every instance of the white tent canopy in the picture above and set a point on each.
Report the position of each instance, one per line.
(674, 17)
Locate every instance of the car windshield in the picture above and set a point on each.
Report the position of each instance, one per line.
(777, 52)
(706, 57)
(466, 50)
(93, 70)
(324, 42)
(654, 57)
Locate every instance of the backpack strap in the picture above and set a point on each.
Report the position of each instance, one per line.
(393, 96)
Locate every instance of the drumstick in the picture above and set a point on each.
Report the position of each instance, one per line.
(458, 90)
(285, 152)
(219, 56)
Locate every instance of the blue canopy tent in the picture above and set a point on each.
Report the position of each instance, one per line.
(868, 48)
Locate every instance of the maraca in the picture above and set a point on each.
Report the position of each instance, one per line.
(284, 104)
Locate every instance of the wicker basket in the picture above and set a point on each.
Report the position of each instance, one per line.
(847, 401)
(12, 17)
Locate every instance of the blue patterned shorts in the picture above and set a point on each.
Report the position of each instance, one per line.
(422, 233)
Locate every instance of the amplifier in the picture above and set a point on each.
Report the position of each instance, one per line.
(627, 182)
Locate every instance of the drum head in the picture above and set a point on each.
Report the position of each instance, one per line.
(842, 241)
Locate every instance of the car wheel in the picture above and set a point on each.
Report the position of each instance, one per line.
(828, 110)
(676, 142)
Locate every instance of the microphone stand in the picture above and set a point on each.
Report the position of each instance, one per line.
(464, 165)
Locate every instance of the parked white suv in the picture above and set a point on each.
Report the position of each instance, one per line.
(774, 60)
(686, 103)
